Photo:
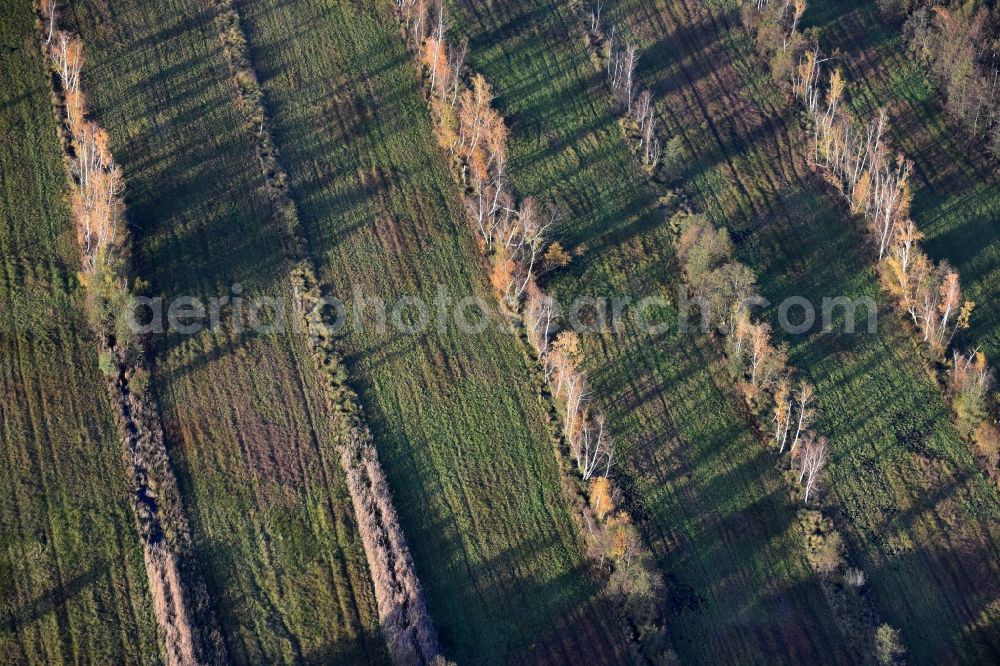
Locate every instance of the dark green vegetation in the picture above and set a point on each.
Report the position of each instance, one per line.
(247, 432)
(956, 187)
(709, 501)
(461, 435)
(72, 580)
(920, 517)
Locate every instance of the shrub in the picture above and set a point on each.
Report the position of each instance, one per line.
(702, 248)
(855, 577)
(106, 363)
(970, 411)
(888, 644)
(987, 439)
(824, 545)
(635, 579)
(674, 159)
(139, 382)
(556, 257)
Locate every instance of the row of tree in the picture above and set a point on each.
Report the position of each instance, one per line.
(180, 598)
(634, 103)
(727, 289)
(96, 198)
(793, 403)
(858, 162)
(511, 233)
(404, 619)
(856, 158)
(513, 237)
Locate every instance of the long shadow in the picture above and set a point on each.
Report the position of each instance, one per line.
(784, 277)
(648, 382)
(956, 177)
(51, 601)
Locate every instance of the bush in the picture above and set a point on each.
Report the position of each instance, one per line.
(674, 159)
(556, 257)
(139, 382)
(635, 580)
(888, 644)
(970, 410)
(701, 247)
(987, 439)
(824, 545)
(106, 363)
(855, 577)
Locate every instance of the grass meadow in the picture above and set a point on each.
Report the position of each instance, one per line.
(918, 514)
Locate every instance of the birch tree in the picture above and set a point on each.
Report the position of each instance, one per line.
(50, 10)
(593, 449)
(438, 56)
(69, 59)
(815, 452)
(766, 361)
(804, 398)
(540, 318)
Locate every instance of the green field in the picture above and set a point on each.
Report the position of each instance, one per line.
(72, 580)
(711, 504)
(457, 421)
(246, 427)
(956, 186)
(921, 518)
(463, 422)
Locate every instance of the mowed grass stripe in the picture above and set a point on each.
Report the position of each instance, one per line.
(711, 504)
(247, 430)
(72, 579)
(460, 431)
(915, 508)
(956, 186)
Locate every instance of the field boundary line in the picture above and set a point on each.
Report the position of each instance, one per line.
(181, 604)
(404, 619)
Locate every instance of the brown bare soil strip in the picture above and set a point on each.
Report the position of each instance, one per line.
(403, 615)
(181, 605)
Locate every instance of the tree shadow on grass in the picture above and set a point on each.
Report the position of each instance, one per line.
(51, 601)
(910, 590)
